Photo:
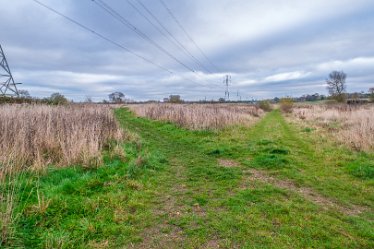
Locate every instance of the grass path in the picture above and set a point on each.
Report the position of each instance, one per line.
(272, 185)
(198, 201)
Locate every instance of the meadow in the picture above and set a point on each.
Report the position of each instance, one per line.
(352, 125)
(200, 117)
(38, 135)
(186, 176)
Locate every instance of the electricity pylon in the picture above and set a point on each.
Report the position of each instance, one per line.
(227, 82)
(7, 85)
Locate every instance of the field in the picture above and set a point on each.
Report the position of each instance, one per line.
(200, 117)
(35, 136)
(351, 125)
(186, 176)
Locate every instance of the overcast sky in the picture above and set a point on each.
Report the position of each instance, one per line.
(269, 47)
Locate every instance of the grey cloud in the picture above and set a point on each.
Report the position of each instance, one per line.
(272, 48)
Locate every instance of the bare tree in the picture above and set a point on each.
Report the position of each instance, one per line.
(24, 94)
(336, 85)
(117, 97)
(88, 100)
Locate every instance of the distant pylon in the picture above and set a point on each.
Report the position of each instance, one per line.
(227, 82)
(7, 85)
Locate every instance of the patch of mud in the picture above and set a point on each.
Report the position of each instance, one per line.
(228, 163)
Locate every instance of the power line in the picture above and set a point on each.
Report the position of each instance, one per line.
(101, 36)
(166, 30)
(145, 37)
(128, 24)
(166, 33)
(186, 33)
(111, 41)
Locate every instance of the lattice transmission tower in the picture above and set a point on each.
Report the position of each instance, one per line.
(227, 82)
(7, 85)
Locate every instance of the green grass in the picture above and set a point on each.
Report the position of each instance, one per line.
(170, 192)
(81, 208)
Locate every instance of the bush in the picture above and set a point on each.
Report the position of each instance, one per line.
(371, 92)
(58, 99)
(286, 105)
(265, 105)
(15, 100)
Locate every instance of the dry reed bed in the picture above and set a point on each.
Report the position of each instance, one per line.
(33, 136)
(37, 135)
(200, 116)
(352, 125)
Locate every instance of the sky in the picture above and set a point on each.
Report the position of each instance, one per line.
(269, 47)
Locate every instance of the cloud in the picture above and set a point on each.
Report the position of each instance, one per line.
(270, 48)
(357, 64)
(286, 76)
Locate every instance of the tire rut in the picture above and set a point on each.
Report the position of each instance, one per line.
(307, 193)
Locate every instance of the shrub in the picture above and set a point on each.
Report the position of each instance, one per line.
(371, 93)
(58, 99)
(286, 105)
(265, 105)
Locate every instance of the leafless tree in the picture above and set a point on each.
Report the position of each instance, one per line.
(24, 94)
(117, 97)
(336, 85)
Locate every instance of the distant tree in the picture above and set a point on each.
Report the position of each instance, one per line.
(336, 85)
(313, 97)
(58, 99)
(175, 99)
(24, 94)
(276, 100)
(88, 100)
(286, 104)
(221, 100)
(117, 97)
(371, 92)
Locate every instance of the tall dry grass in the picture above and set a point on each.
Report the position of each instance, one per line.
(39, 135)
(200, 116)
(34, 136)
(9, 187)
(352, 125)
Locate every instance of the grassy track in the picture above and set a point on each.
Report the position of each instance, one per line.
(200, 203)
(270, 186)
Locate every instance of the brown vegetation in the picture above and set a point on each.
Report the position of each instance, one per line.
(34, 136)
(286, 105)
(38, 135)
(352, 125)
(200, 116)
(265, 105)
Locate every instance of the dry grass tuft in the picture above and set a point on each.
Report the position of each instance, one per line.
(352, 125)
(200, 116)
(61, 135)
